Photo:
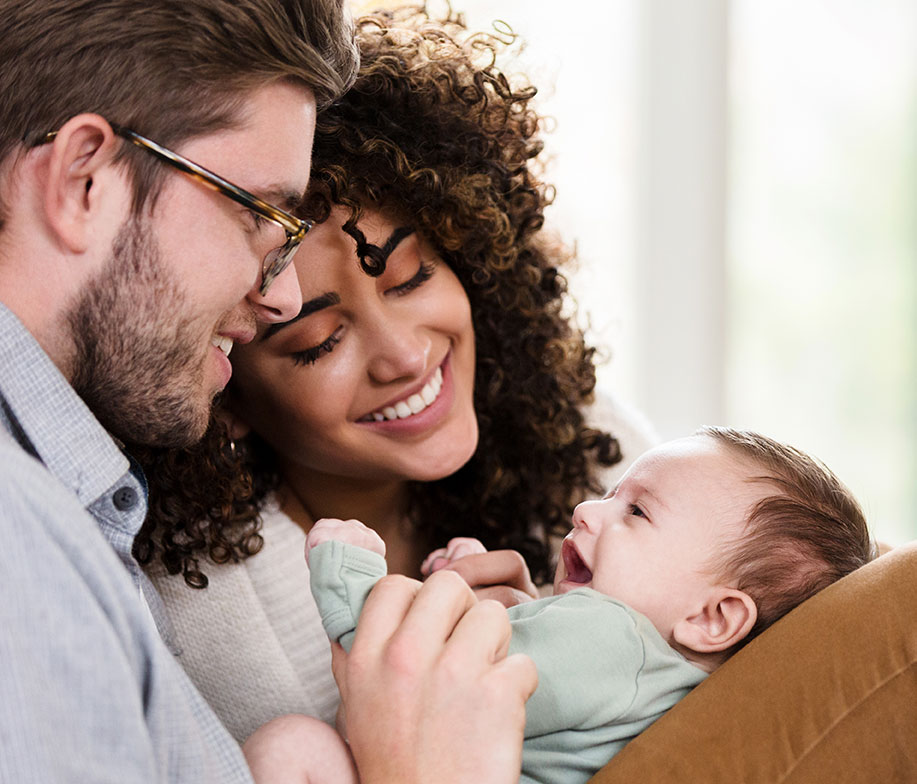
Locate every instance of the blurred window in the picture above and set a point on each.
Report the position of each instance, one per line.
(740, 180)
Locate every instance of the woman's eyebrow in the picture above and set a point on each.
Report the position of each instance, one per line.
(394, 240)
(378, 255)
(309, 307)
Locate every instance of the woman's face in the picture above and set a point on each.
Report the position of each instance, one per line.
(374, 379)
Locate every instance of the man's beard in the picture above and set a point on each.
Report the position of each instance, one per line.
(138, 363)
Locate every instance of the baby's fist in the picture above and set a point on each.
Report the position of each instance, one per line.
(347, 531)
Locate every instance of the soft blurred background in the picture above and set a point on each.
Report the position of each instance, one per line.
(740, 180)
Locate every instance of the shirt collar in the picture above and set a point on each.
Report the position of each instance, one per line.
(42, 407)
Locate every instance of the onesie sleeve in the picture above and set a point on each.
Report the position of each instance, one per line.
(341, 577)
(589, 656)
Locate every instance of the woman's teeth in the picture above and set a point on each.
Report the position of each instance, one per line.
(415, 403)
(222, 342)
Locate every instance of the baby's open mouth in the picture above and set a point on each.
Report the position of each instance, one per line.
(575, 566)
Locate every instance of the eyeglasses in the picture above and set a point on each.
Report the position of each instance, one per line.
(276, 260)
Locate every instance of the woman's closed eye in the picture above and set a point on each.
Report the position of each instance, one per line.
(310, 355)
(424, 273)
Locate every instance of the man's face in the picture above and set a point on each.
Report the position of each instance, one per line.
(154, 327)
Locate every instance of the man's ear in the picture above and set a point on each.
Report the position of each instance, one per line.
(81, 152)
(725, 619)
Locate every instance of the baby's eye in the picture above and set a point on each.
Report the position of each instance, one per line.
(636, 511)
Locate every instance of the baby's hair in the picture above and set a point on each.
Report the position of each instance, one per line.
(806, 535)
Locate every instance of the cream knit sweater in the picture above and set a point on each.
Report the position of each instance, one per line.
(253, 641)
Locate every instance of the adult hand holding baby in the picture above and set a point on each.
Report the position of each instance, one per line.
(428, 690)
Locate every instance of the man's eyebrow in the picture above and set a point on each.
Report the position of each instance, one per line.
(309, 307)
(289, 200)
(279, 196)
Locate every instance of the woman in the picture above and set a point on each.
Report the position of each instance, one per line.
(433, 385)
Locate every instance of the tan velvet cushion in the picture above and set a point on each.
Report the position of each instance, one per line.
(827, 695)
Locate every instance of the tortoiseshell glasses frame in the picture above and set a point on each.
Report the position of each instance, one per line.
(277, 259)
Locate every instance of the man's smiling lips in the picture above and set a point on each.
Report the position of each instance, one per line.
(226, 336)
(222, 342)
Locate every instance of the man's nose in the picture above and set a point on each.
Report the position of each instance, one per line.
(282, 301)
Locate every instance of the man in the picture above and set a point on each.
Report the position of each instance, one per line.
(150, 153)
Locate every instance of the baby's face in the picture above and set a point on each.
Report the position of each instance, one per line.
(649, 542)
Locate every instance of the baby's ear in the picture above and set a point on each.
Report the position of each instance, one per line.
(725, 619)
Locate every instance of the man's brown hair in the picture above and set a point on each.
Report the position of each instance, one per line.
(168, 69)
(803, 537)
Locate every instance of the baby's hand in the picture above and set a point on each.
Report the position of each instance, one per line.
(347, 531)
(455, 549)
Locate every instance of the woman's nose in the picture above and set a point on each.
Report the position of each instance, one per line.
(399, 352)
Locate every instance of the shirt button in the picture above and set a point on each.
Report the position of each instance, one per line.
(125, 498)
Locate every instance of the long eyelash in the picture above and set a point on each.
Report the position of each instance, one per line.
(310, 355)
(259, 220)
(427, 268)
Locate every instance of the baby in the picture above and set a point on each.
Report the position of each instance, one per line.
(706, 542)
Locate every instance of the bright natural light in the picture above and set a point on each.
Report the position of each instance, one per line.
(822, 345)
(740, 179)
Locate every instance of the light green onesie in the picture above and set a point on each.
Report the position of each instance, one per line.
(604, 672)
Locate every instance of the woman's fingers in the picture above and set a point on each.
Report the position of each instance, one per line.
(461, 546)
(458, 547)
(434, 561)
(497, 568)
(504, 594)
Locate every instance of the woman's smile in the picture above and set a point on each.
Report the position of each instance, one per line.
(418, 412)
(411, 403)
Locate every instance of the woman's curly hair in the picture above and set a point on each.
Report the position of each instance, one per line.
(432, 129)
